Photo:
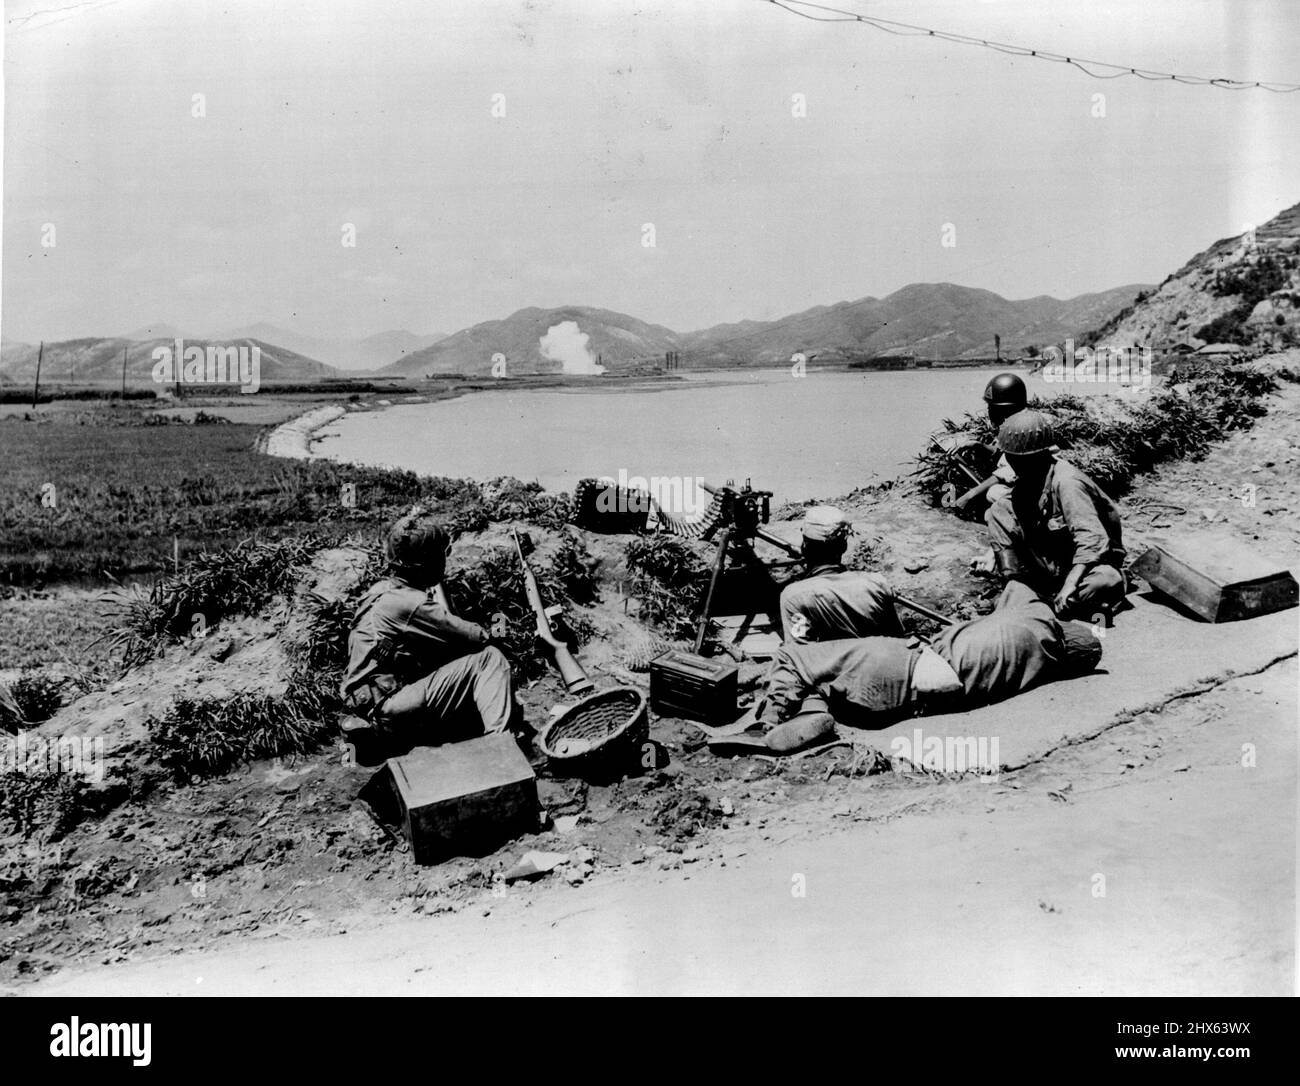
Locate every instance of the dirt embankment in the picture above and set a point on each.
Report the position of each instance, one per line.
(281, 848)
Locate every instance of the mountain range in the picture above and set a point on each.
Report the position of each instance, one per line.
(99, 361)
(367, 353)
(932, 320)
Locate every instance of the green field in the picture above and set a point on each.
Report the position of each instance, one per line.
(106, 491)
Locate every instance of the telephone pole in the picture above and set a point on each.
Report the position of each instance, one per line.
(36, 387)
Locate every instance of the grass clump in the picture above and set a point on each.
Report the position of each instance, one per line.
(669, 580)
(206, 737)
(214, 586)
(37, 695)
(47, 799)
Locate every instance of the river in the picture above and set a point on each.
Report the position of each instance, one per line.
(803, 437)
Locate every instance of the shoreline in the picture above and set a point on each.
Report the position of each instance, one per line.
(293, 439)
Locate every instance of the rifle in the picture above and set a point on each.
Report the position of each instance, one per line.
(981, 487)
(974, 493)
(956, 458)
(575, 679)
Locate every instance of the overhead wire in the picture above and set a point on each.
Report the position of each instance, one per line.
(825, 13)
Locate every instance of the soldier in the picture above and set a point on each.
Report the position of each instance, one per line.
(416, 671)
(832, 602)
(1058, 531)
(874, 681)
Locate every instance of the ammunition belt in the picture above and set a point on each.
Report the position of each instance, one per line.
(631, 509)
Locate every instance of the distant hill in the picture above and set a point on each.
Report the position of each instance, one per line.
(1240, 290)
(934, 320)
(369, 353)
(99, 360)
(615, 340)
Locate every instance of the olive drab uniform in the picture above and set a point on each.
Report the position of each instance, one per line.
(413, 664)
(833, 603)
(1004, 653)
(871, 681)
(1037, 537)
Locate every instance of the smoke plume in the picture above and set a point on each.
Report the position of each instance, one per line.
(565, 344)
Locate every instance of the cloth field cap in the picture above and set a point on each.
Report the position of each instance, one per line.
(824, 523)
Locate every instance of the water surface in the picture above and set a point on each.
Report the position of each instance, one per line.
(817, 436)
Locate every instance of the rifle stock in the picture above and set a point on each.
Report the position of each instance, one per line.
(974, 493)
(575, 679)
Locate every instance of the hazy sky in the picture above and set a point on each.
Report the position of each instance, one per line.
(677, 113)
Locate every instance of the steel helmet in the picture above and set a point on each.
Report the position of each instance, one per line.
(416, 543)
(1026, 432)
(1006, 390)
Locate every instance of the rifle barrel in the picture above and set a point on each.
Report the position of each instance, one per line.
(921, 609)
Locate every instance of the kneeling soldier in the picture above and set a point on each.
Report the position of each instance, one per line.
(1058, 532)
(415, 670)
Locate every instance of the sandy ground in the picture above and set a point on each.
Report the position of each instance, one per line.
(1145, 841)
(1148, 861)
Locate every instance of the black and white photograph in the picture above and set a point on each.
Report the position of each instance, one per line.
(657, 498)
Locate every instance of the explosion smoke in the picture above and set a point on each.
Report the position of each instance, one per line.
(565, 344)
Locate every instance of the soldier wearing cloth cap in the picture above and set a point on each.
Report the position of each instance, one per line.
(873, 681)
(415, 670)
(1057, 532)
(833, 602)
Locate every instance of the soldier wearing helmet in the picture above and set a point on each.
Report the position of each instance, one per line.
(416, 671)
(1004, 396)
(1057, 531)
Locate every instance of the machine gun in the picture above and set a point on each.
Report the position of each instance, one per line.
(737, 519)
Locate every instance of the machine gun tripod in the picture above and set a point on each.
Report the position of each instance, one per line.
(738, 520)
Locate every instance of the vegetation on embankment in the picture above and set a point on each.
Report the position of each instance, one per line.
(295, 509)
(202, 736)
(1112, 440)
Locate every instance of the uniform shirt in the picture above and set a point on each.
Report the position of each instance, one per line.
(1070, 521)
(855, 679)
(1003, 472)
(1001, 654)
(399, 634)
(834, 603)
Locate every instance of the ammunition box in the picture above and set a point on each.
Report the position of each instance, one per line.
(693, 687)
(1217, 577)
(459, 799)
